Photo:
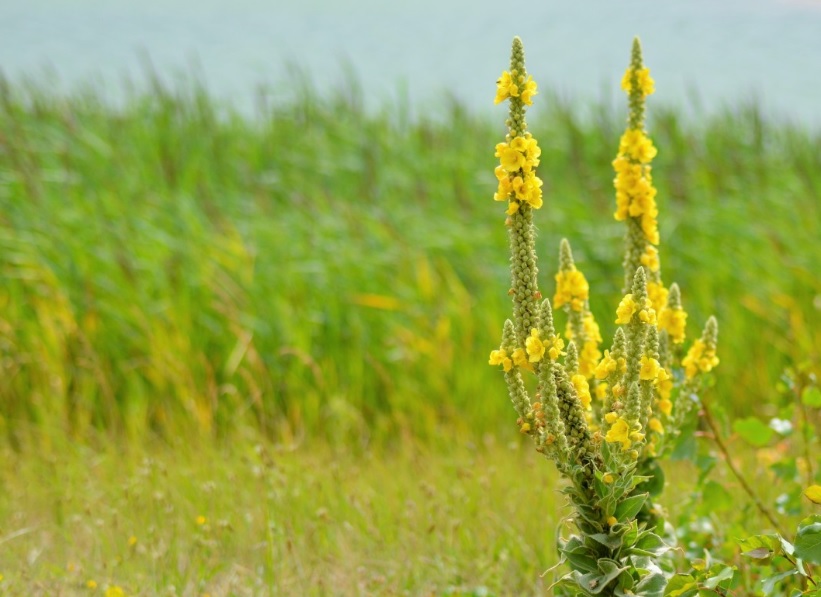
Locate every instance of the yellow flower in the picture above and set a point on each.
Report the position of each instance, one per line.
(520, 359)
(649, 368)
(611, 417)
(556, 347)
(512, 208)
(650, 259)
(91, 584)
(674, 320)
(627, 307)
(535, 347)
(665, 384)
(588, 358)
(665, 406)
(201, 520)
(505, 88)
(114, 591)
(644, 81)
(530, 89)
(499, 357)
(608, 478)
(582, 389)
(572, 288)
(656, 291)
(699, 358)
(655, 425)
(132, 541)
(606, 366)
(510, 159)
(601, 391)
(637, 146)
(619, 433)
(612, 521)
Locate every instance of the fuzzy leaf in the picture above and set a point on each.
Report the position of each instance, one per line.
(813, 493)
(753, 431)
(611, 542)
(808, 540)
(628, 509)
(771, 582)
(652, 585)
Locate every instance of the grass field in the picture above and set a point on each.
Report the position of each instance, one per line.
(184, 292)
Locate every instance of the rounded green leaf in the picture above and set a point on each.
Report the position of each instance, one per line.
(753, 431)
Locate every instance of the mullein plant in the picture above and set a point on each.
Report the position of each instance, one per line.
(603, 417)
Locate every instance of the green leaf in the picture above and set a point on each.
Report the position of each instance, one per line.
(811, 397)
(753, 431)
(652, 585)
(681, 585)
(628, 509)
(808, 540)
(725, 574)
(813, 493)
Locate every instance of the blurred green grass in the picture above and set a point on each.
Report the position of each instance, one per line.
(171, 267)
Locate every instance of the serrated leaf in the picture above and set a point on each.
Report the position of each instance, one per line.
(813, 493)
(753, 431)
(811, 397)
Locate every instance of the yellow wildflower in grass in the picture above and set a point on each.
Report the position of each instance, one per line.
(657, 293)
(590, 353)
(637, 147)
(530, 89)
(499, 357)
(626, 309)
(91, 584)
(611, 417)
(132, 541)
(517, 179)
(650, 260)
(601, 391)
(201, 520)
(699, 358)
(655, 425)
(535, 347)
(556, 348)
(571, 288)
(649, 368)
(520, 359)
(674, 320)
(644, 82)
(619, 433)
(582, 389)
(665, 406)
(664, 383)
(506, 87)
(606, 366)
(114, 591)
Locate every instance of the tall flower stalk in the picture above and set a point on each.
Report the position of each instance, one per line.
(602, 418)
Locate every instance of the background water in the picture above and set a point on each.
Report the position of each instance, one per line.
(722, 52)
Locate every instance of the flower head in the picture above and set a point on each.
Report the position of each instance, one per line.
(535, 347)
(499, 357)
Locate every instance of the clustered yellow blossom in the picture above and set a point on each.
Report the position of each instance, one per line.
(590, 353)
(619, 431)
(582, 389)
(699, 358)
(649, 368)
(511, 84)
(516, 175)
(628, 307)
(520, 359)
(608, 365)
(674, 320)
(636, 195)
(650, 258)
(571, 288)
(644, 81)
(535, 347)
(657, 294)
(499, 357)
(655, 425)
(556, 348)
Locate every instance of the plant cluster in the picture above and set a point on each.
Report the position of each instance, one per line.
(603, 418)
